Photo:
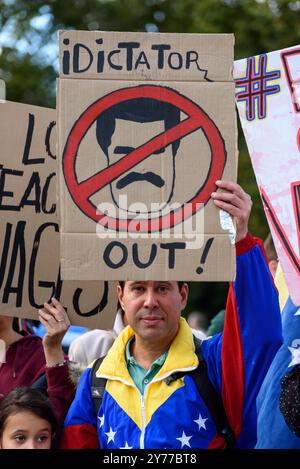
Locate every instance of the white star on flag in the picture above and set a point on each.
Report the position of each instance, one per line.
(297, 313)
(110, 435)
(201, 422)
(295, 356)
(101, 420)
(126, 446)
(184, 440)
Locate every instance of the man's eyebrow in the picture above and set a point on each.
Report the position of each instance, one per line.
(120, 150)
(135, 282)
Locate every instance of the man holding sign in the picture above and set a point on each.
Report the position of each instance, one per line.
(150, 398)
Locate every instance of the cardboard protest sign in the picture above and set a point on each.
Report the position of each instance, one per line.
(29, 231)
(146, 126)
(268, 100)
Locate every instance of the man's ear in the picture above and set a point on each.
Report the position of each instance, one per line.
(184, 292)
(120, 296)
(273, 267)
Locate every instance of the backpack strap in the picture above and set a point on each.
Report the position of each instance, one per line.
(97, 385)
(209, 395)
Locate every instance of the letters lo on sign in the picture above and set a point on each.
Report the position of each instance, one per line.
(146, 127)
(29, 231)
(268, 99)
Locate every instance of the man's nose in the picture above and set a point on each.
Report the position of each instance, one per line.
(150, 300)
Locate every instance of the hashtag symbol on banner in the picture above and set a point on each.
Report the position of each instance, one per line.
(255, 87)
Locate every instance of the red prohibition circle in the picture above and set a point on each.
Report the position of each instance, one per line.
(197, 119)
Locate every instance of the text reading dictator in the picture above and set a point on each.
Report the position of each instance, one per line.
(128, 56)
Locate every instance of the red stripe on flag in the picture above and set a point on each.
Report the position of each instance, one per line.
(232, 366)
(217, 443)
(82, 436)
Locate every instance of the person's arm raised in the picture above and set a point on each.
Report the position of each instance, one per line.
(54, 318)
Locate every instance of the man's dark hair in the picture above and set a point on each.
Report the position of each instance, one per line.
(32, 400)
(122, 283)
(136, 110)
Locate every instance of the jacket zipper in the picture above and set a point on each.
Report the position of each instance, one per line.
(142, 437)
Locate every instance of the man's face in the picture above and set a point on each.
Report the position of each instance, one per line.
(150, 181)
(153, 308)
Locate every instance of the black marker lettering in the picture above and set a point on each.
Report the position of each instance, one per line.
(172, 248)
(45, 195)
(107, 252)
(18, 247)
(204, 255)
(129, 46)
(100, 57)
(35, 186)
(76, 55)
(66, 59)
(3, 193)
(160, 48)
(5, 252)
(32, 265)
(100, 61)
(192, 56)
(136, 260)
(111, 64)
(177, 63)
(100, 307)
(142, 60)
(47, 140)
(30, 128)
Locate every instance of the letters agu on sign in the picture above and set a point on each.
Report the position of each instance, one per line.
(29, 231)
(146, 127)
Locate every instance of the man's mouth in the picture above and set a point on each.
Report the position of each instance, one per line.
(153, 178)
(151, 320)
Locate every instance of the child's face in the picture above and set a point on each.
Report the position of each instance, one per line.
(25, 430)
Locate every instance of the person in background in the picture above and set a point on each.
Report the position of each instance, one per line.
(95, 343)
(29, 361)
(271, 254)
(27, 420)
(216, 324)
(289, 400)
(273, 432)
(198, 322)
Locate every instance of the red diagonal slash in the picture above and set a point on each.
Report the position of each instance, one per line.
(81, 192)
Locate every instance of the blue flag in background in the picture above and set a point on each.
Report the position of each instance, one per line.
(272, 431)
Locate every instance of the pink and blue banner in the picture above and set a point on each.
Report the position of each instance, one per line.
(268, 101)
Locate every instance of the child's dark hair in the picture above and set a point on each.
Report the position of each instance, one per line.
(27, 399)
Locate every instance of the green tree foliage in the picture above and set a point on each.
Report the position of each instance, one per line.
(28, 65)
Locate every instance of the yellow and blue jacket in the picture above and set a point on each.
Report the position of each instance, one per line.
(174, 416)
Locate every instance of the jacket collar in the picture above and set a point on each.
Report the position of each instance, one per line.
(181, 355)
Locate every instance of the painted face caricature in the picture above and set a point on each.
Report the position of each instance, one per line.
(125, 127)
